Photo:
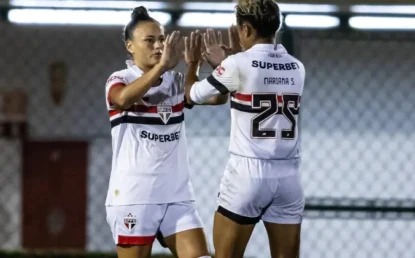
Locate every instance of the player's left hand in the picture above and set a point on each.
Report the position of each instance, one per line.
(193, 48)
(170, 58)
(215, 52)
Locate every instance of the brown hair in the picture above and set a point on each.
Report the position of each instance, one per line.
(264, 16)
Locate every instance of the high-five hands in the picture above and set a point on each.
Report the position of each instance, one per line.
(212, 50)
(171, 52)
(234, 42)
(216, 51)
(193, 48)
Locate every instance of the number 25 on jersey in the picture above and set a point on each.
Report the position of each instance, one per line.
(285, 104)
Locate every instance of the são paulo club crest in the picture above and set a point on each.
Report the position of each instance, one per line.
(130, 221)
(164, 112)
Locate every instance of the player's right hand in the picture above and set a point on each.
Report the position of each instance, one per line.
(193, 47)
(234, 42)
(171, 54)
(215, 52)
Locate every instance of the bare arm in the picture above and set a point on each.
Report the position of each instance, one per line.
(223, 80)
(124, 97)
(191, 78)
(217, 100)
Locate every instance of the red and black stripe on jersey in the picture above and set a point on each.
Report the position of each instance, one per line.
(145, 120)
(150, 120)
(295, 108)
(248, 98)
(146, 109)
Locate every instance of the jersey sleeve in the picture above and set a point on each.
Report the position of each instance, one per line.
(117, 79)
(224, 79)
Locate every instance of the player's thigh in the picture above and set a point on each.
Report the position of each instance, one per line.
(182, 229)
(230, 238)
(241, 199)
(190, 243)
(284, 239)
(134, 251)
(283, 218)
(134, 228)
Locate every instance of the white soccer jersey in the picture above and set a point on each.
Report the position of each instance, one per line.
(266, 86)
(149, 160)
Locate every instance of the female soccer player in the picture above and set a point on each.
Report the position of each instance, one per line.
(261, 180)
(150, 190)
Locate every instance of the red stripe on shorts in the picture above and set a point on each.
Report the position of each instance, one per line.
(136, 240)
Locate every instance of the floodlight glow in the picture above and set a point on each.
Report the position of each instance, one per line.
(88, 4)
(211, 20)
(77, 17)
(312, 21)
(383, 9)
(382, 23)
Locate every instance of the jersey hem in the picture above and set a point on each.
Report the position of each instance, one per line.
(243, 156)
(150, 203)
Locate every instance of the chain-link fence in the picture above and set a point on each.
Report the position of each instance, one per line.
(357, 134)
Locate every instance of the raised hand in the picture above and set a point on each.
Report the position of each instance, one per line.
(171, 57)
(193, 47)
(215, 51)
(234, 41)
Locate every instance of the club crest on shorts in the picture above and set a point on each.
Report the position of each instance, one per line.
(130, 221)
(164, 112)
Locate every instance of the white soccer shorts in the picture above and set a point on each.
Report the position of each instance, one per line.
(139, 224)
(268, 190)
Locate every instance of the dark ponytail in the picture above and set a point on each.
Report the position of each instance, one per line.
(138, 15)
